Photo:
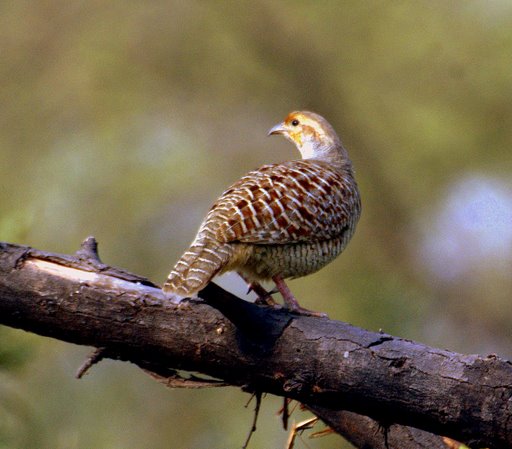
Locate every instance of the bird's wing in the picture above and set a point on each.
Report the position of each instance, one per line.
(285, 203)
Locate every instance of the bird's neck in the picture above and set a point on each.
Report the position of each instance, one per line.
(334, 154)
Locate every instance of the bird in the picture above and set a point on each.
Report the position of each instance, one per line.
(280, 221)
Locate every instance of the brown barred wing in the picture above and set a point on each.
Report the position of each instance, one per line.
(292, 202)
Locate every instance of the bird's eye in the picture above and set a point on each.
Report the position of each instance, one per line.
(295, 122)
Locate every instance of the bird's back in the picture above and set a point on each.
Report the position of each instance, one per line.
(291, 202)
(290, 218)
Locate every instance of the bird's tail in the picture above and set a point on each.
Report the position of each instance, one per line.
(200, 263)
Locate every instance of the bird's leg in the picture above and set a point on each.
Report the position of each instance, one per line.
(286, 293)
(264, 297)
(290, 300)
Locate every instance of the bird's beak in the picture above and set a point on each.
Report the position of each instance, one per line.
(278, 129)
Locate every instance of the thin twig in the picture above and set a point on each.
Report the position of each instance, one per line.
(175, 380)
(257, 395)
(299, 428)
(286, 413)
(94, 357)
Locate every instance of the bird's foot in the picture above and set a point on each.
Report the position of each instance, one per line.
(264, 297)
(291, 302)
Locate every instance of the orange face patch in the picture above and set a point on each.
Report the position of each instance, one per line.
(293, 116)
(302, 128)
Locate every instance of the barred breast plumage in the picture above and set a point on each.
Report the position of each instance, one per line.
(280, 221)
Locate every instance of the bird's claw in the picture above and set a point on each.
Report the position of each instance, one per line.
(265, 300)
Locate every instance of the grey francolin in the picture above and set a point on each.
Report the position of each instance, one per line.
(280, 221)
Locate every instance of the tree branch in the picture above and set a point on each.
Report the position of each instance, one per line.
(332, 367)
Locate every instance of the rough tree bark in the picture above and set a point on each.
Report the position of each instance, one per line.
(358, 382)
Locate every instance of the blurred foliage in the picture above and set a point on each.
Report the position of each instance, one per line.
(16, 348)
(126, 119)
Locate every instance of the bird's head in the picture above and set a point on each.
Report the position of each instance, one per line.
(310, 132)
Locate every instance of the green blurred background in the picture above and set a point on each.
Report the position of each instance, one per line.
(126, 119)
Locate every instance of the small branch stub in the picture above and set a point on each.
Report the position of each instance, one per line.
(95, 356)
